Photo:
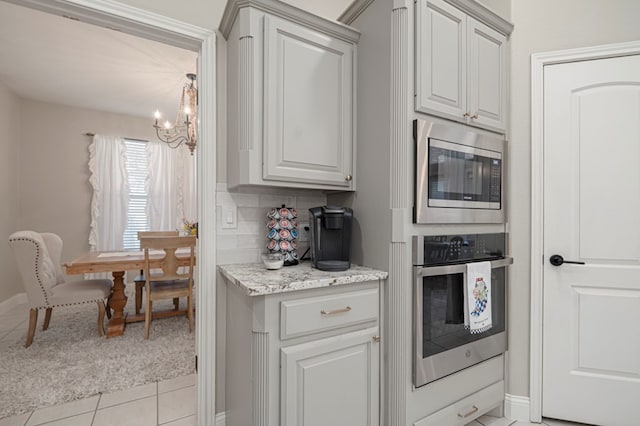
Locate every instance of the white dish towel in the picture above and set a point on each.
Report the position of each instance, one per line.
(477, 297)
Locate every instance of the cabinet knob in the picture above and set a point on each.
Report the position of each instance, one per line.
(348, 178)
(466, 114)
(474, 116)
(376, 339)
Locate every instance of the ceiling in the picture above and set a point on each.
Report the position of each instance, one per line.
(54, 59)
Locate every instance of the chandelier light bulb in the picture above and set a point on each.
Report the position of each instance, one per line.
(187, 110)
(167, 125)
(157, 114)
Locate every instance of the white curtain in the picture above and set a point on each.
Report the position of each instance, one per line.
(107, 164)
(171, 186)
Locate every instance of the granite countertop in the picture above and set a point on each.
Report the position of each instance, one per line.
(256, 280)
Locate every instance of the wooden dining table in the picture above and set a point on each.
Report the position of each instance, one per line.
(118, 262)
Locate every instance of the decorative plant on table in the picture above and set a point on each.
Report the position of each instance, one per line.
(190, 227)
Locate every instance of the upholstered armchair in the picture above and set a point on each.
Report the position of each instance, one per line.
(38, 258)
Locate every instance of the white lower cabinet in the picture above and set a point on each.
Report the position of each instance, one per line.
(467, 409)
(303, 358)
(332, 381)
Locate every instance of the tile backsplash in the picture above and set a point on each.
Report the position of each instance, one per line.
(241, 215)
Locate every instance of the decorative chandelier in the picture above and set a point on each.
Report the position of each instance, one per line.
(184, 128)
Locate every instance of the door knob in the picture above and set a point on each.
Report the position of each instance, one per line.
(557, 260)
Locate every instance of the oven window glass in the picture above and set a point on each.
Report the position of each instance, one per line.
(455, 175)
(443, 312)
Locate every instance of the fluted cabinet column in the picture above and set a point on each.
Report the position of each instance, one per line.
(260, 375)
(399, 281)
(246, 93)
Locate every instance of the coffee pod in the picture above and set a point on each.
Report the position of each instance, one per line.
(274, 234)
(273, 224)
(274, 214)
(285, 224)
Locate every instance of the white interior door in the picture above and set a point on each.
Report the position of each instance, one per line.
(591, 315)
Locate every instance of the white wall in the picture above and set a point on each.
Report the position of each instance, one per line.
(55, 194)
(541, 26)
(9, 204)
(501, 7)
(45, 174)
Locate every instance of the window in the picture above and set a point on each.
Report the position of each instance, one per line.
(137, 170)
(137, 186)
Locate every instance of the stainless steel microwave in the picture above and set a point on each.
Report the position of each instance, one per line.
(459, 175)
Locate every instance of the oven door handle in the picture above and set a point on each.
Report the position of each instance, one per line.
(429, 271)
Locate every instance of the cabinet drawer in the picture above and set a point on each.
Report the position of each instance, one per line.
(314, 314)
(467, 409)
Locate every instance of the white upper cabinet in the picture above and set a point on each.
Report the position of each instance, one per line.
(460, 66)
(486, 77)
(441, 59)
(290, 97)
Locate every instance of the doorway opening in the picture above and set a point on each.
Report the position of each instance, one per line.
(165, 30)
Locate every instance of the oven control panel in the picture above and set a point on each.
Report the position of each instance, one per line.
(430, 250)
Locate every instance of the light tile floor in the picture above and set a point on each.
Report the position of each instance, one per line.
(168, 403)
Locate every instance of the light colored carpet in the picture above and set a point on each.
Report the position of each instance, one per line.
(71, 361)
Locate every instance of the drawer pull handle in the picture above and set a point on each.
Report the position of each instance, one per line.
(335, 311)
(473, 410)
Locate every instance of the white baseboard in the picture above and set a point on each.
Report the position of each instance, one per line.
(15, 300)
(221, 419)
(516, 407)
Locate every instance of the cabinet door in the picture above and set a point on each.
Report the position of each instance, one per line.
(308, 107)
(486, 81)
(441, 60)
(333, 381)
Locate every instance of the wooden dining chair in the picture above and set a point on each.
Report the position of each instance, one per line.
(139, 280)
(175, 278)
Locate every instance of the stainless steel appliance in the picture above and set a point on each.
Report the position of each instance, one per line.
(442, 343)
(458, 175)
(330, 237)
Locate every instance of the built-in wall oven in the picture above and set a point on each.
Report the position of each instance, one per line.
(459, 175)
(443, 343)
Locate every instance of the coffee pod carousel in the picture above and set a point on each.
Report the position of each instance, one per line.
(283, 233)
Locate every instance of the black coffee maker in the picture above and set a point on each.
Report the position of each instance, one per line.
(330, 237)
